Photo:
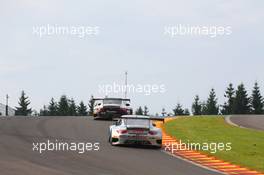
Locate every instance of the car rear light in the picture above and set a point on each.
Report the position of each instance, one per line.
(123, 109)
(101, 110)
(153, 132)
(122, 131)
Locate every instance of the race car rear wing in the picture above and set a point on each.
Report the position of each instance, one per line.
(158, 119)
(145, 118)
(122, 99)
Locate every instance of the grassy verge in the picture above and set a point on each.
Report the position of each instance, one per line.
(247, 145)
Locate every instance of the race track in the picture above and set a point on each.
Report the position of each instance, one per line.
(17, 157)
(249, 121)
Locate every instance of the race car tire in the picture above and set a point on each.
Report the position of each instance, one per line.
(110, 138)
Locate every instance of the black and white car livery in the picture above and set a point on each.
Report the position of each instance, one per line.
(135, 130)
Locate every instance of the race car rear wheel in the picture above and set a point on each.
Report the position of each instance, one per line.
(110, 138)
(160, 142)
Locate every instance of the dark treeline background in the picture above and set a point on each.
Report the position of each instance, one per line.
(66, 107)
(63, 107)
(238, 101)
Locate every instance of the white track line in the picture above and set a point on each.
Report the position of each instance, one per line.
(228, 120)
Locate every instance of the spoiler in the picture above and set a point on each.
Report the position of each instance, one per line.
(145, 118)
(122, 99)
(158, 119)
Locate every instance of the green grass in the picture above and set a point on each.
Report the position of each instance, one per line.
(247, 145)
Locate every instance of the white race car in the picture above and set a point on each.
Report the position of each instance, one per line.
(111, 108)
(135, 130)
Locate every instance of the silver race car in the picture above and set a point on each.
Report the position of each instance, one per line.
(135, 130)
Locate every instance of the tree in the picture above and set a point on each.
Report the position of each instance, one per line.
(82, 109)
(44, 111)
(211, 104)
(23, 105)
(204, 108)
(230, 95)
(186, 111)
(72, 108)
(52, 108)
(241, 101)
(178, 110)
(197, 106)
(139, 111)
(257, 102)
(63, 106)
(91, 106)
(146, 111)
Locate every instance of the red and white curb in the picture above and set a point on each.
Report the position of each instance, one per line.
(201, 159)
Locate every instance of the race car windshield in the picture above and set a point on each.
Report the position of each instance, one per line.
(137, 122)
(112, 102)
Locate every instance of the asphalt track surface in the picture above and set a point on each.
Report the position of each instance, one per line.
(249, 121)
(17, 134)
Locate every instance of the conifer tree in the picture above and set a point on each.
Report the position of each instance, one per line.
(44, 111)
(63, 106)
(230, 95)
(241, 101)
(23, 103)
(178, 111)
(197, 106)
(52, 108)
(186, 111)
(139, 111)
(257, 100)
(82, 109)
(211, 104)
(72, 108)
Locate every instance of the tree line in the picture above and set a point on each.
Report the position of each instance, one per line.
(177, 111)
(238, 101)
(64, 107)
